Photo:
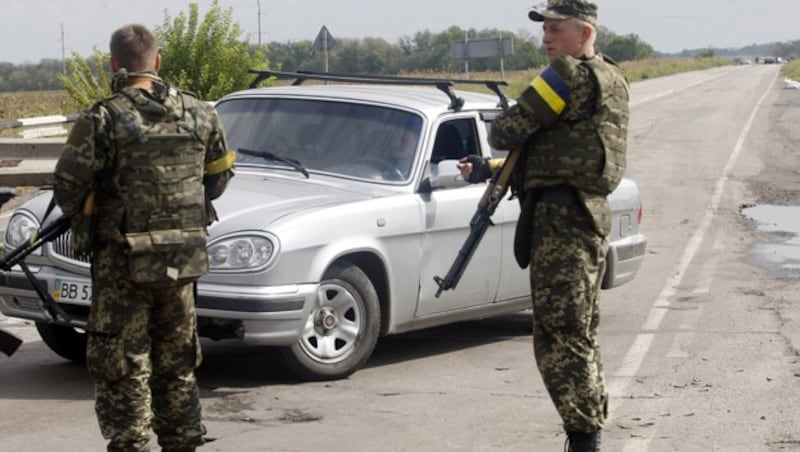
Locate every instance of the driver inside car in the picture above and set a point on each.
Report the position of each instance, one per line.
(402, 146)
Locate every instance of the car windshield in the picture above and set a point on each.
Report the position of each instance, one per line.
(347, 139)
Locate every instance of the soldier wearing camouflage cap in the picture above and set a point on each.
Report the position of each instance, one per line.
(136, 178)
(571, 126)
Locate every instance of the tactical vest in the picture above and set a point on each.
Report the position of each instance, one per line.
(588, 154)
(158, 177)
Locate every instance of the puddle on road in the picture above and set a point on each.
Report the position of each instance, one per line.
(781, 256)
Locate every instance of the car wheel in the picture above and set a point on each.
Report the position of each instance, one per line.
(342, 329)
(65, 341)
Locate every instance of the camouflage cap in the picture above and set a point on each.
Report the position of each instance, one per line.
(584, 10)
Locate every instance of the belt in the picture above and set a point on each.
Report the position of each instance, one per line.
(562, 196)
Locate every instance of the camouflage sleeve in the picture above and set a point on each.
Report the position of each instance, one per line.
(219, 159)
(559, 92)
(83, 156)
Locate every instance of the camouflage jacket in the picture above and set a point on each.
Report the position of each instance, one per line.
(562, 100)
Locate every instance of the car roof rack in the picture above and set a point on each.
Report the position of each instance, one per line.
(444, 85)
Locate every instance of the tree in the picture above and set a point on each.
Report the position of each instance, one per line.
(208, 57)
(623, 48)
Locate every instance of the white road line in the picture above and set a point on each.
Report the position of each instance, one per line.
(677, 90)
(641, 345)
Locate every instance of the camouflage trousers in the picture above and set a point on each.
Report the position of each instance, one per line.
(566, 270)
(142, 352)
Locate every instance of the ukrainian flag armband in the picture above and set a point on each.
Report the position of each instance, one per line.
(221, 164)
(547, 96)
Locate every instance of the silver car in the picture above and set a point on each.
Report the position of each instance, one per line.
(345, 205)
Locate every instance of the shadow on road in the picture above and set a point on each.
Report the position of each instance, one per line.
(233, 365)
(36, 373)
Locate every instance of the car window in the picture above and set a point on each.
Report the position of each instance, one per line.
(347, 139)
(455, 139)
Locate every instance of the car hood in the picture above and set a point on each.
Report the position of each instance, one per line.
(254, 201)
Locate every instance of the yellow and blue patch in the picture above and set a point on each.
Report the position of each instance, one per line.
(547, 96)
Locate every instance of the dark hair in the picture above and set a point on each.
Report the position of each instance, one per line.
(134, 48)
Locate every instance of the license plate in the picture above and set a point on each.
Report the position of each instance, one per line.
(75, 291)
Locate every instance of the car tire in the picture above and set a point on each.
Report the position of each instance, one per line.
(342, 329)
(65, 341)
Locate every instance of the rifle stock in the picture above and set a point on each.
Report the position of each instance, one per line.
(481, 220)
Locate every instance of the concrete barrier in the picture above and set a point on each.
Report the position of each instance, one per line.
(36, 148)
(28, 161)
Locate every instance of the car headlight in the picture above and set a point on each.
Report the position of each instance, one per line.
(242, 252)
(20, 228)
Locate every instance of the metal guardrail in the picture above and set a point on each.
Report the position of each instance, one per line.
(41, 126)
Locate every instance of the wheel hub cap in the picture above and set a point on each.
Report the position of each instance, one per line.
(327, 320)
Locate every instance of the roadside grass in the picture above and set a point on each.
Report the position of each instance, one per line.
(27, 104)
(634, 70)
(791, 70)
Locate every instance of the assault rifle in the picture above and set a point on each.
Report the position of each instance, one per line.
(481, 220)
(8, 342)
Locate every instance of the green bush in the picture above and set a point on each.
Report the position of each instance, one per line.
(207, 57)
(88, 80)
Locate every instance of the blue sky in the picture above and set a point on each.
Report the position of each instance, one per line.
(32, 29)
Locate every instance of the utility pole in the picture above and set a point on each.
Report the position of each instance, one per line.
(466, 52)
(63, 52)
(259, 22)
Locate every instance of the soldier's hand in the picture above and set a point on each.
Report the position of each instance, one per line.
(474, 169)
(465, 167)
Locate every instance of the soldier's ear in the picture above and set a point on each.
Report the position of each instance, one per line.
(158, 62)
(113, 64)
(586, 33)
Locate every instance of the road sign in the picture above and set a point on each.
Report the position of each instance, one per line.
(483, 48)
(324, 40)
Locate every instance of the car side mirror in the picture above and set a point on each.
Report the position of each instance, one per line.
(446, 174)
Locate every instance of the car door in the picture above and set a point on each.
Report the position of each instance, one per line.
(513, 280)
(447, 213)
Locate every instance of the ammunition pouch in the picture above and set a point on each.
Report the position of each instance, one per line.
(167, 258)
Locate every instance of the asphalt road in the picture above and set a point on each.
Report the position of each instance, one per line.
(702, 349)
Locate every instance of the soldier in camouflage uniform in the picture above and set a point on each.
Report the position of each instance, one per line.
(571, 125)
(136, 178)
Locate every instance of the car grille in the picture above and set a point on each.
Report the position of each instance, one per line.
(60, 249)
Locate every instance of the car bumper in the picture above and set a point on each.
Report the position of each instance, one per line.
(268, 315)
(623, 260)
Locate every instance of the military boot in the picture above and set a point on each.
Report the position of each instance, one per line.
(582, 442)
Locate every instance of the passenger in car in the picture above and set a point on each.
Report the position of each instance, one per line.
(571, 126)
